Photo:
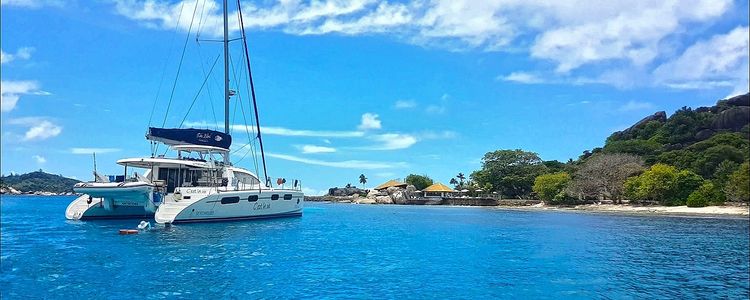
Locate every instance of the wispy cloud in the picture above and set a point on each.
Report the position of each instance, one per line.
(405, 104)
(635, 105)
(22, 53)
(39, 128)
(391, 141)
(521, 77)
(13, 89)
(93, 150)
(271, 130)
(347, 164)
(369, 121)
(39, 159)
(558, 34)
(316, 149)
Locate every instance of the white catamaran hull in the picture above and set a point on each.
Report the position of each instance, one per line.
(212, 206)
(112, 201)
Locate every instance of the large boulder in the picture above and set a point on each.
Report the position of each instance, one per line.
(741, 100)
(704, 134)
(383, 200)
(660, 116)
(372, 194)
(411, 191)
(399, 197)
(732, 119)
(366, 201)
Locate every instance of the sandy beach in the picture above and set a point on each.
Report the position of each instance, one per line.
(739, 211)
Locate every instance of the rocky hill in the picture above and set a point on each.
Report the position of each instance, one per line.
(38, 181)
(706, 140)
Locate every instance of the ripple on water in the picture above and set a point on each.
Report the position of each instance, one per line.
(355, 251)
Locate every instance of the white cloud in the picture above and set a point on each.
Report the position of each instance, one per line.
(271, 130)
(521, 77)
(347, 164)
(369, 121)
(313, 192)
(392, 141)
(12, 91)
(93, 150)
(437, 135)
(21, 53)
(316, 149)
(405, 104)
(567, 34)
(635, 105)
(721, 61)
(39, 128)
(42, 131)
(39, 159)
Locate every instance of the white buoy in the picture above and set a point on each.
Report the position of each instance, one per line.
(144, 225)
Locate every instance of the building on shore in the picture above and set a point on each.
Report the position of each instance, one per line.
(390, 183)
(437, 190)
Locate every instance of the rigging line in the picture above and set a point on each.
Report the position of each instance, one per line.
(199, 91)
(255, 154)
(236, 87)
(208, 87)
(244, 117)
(164, 67)
(252, 90)
(200, 22)
(179, 67)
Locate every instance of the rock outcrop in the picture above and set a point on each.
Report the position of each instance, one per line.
(732, 119)
(660, 116)
(346, 191)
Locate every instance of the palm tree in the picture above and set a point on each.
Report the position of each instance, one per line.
(461, 178)
(362, 180)
(454, 182)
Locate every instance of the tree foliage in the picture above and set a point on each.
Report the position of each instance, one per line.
(510, 172)
(602, 175)
(706, 194)
(549, 186)
(738, 187)
(663, 183)
(419, 181)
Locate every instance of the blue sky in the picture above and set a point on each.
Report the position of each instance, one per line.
(384, 88)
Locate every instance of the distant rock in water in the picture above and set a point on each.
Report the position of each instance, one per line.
(346, 191)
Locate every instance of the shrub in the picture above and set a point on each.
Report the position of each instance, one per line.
(548, 186)
(706, 194)
(738, 187)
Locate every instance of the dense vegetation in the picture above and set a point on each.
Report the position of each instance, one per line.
(695, 157)
(39, 181)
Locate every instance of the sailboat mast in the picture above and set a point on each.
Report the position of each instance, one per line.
(226, 70)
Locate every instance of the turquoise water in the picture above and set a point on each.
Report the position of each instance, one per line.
(367, 251)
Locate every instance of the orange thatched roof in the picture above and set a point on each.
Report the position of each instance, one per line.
(438, 188)
(390, 183)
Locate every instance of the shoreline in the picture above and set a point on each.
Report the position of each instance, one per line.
(623, 209)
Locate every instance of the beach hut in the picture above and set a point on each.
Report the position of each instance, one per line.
(437, 189)
(390, 183)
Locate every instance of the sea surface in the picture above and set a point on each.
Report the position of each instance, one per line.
(374, 251)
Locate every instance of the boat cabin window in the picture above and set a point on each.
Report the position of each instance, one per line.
(287, 196)
(252, 198)
(230, 200)
(183, 177)
(275, 197)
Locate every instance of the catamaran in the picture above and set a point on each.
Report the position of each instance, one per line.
(199, 184)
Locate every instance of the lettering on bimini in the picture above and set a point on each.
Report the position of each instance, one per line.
(261, 206)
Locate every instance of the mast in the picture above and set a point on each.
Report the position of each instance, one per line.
(226, 76)
(252, 91)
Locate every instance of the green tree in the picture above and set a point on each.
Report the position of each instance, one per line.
(454, 182)
(461, 177)
(510, 172)
(362, 180)
(706, 194)
(602, 175)
(548, 186)
(419, 181)
(663, 183)
(709, 160)
(738, 187)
